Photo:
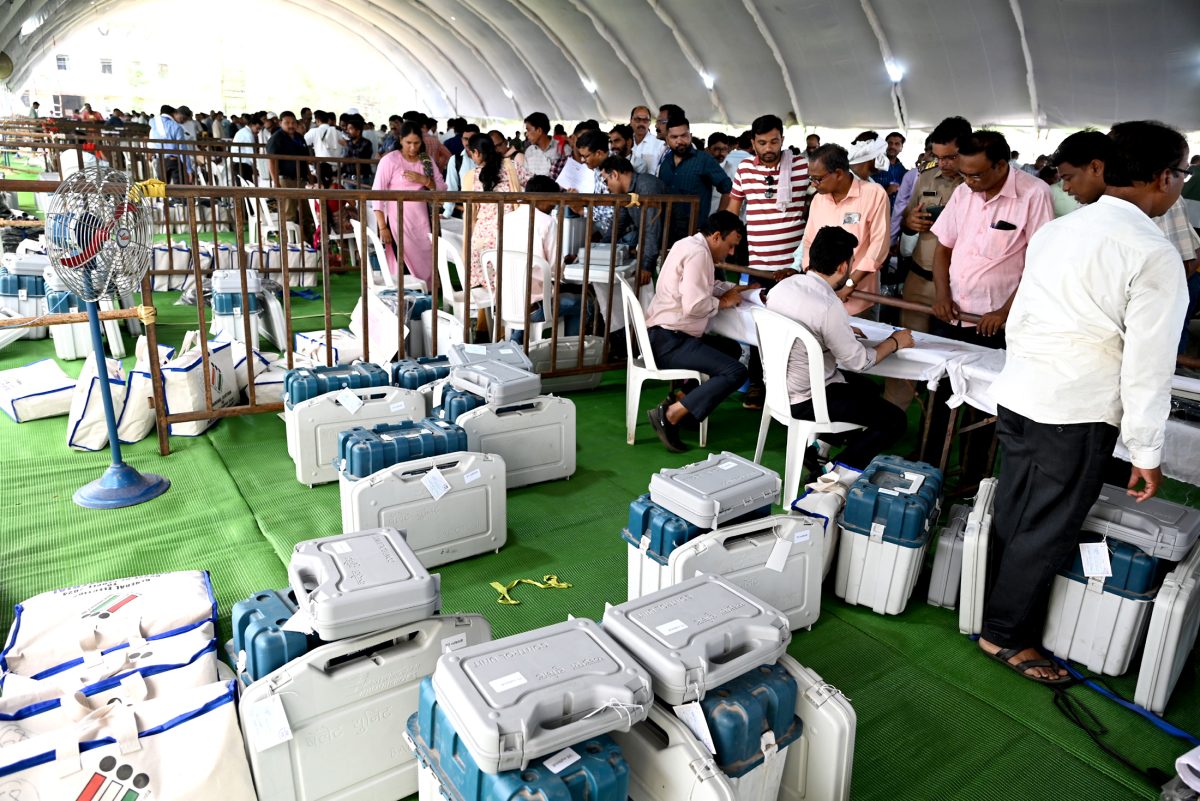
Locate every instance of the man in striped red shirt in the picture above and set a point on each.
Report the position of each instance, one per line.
(774, 187)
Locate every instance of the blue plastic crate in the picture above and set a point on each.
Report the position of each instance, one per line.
(60, 301)
(741, 711)
(456, 402)
(309, 382)
(1135, 573)
(416, 373)
(12, 285)
(363, 451)
(230, 302)
(667, 530)
(257, 630)
(600, 774)
(880, 496)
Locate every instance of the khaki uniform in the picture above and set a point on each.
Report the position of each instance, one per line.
(931, 189)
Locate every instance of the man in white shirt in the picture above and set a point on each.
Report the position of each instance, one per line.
(1091, 348)
(810, 298)
(647, 148)
(326, 141)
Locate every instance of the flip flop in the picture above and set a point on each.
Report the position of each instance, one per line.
(1004, 654)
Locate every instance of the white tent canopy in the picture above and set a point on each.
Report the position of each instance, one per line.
(1043, 63)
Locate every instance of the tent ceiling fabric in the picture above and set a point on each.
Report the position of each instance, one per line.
(1091, 61)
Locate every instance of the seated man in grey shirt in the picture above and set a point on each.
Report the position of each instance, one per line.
(811, 299)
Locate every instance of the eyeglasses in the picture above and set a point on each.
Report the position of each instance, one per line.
(953, 157)
(1184, 172)
(816, 179)
(640, 119)
(976, 177)
(770, 182)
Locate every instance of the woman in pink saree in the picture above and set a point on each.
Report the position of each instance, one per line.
(406, 169)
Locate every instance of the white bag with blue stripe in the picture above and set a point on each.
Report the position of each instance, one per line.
(37, 390)
(74, 626)
(87, 429)
(183, 747)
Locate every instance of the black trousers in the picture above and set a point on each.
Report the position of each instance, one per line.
(1050, 477)
(858, 401)
(716, 356)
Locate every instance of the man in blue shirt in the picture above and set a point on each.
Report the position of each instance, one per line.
(891, 178)
(684, 170)
(164, 127)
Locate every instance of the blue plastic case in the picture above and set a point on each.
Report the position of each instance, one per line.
(230, 302)
(363, 451)
(1135, 573)
(415, 373)
(599, 774)
(456, 402)
(309, 382)
(257, 630)
(739, 712)
(59, 301)
(882, 495)
(667, 530)
(11, 285)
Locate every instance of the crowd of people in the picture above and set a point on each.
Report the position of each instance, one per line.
(1082, 266)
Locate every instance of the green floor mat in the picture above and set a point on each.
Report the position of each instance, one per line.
(935, 719)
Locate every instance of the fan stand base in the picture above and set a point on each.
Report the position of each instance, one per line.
(121, 485)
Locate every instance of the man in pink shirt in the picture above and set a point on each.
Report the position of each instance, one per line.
(860, 207)
(982, 236)
(686, 298)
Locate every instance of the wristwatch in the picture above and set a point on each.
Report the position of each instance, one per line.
(850, 283)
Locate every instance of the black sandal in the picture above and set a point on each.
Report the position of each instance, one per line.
(1004, 654)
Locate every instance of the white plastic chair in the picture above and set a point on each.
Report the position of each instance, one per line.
(512, 291)
(384, 274)
(481, 297)
(642, 368)
(776, 336)
(315, 206)
(450, 332)
(270, 224)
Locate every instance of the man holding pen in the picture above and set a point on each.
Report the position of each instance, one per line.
(685, 300)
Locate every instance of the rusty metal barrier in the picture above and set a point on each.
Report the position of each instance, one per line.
(593, 320)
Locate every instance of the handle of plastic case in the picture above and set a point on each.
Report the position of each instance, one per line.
(413, 637)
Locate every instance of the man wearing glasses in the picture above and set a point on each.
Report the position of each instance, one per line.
(861, 207)
(930, 195)
(647, 148)
(982, 236)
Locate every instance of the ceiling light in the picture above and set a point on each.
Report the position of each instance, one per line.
(894, 71)
(589, 85)
(708, 80)
(508, 93)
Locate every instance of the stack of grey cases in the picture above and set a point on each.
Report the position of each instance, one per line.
(533, 433)
(735, 718)
(345, 702)
(522, 698)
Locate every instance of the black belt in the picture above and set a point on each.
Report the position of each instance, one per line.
(917, 269)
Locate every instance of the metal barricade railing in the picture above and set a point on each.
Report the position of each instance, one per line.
(593, 321)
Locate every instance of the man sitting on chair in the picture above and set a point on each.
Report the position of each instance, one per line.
(811, 300)
(686, 298)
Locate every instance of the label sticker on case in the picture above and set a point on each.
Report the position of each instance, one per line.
(693, 717)
(509, 682)
(779, 555)
(436, 483)
(727, 465)
(340, 547)
(397, 407)
(473, 476)
(1095, 559)
(671, 627)
(454, 643)
(268, 723)
(562, 760)
(348, 400)
(803, 535)
(475, 349)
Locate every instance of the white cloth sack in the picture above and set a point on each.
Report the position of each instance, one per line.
(87, 429)
(261, 362)
(296, 259)
(136, 419)
(183, 383)
(311, 345)
(382, 326)
(179, 259)
(39, 389)
(76, 625)
(171, 665)
(185, 747)
(268, 386)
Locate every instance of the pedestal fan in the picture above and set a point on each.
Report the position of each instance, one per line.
(98, 227)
